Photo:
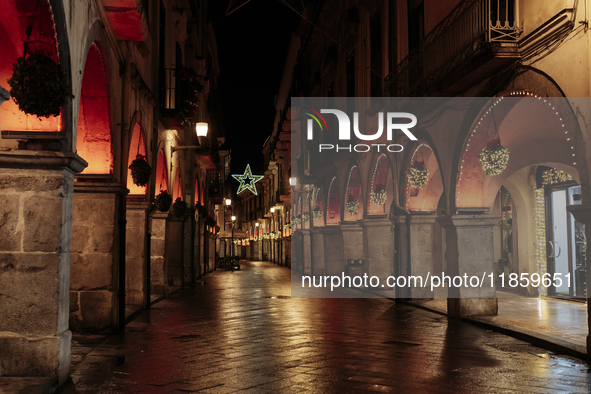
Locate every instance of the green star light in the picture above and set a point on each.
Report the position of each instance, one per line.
(250, 184)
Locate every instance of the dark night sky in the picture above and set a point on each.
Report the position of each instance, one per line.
(252, 46)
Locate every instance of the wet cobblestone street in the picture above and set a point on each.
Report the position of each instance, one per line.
(241, 332)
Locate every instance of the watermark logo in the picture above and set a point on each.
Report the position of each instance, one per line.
(391, 120)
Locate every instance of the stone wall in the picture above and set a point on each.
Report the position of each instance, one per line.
(95, 259)
(135, 266)
(158, 271)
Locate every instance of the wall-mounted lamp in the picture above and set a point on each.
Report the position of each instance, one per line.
(256, 224)
(201, 128)
(228, 201)
(293, 181)
(233, 218)
(272, 210)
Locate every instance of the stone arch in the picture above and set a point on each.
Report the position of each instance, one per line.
(137, 148)
(517, 117)
(427, 197)
(379, 177)
(333, 203)
(353, 192)
(94, 133)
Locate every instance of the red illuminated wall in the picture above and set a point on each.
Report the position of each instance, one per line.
(177, 187)
(161, 174)
(137, 146)
(94, 126)
(15, 16)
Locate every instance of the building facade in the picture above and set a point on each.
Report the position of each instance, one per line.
(517, 63)
(84, 242)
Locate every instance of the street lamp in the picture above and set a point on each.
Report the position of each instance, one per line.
(201, 128)
(228, 202)
(233, 220)
(293, 181)
(272, 210)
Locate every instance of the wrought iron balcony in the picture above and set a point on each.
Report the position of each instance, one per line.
(475, 32)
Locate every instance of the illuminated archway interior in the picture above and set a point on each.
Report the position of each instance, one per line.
(137, 148)
(94, 127)
(427, 197)
(353, 193)
(379, 181)
(333, 213)
(161, 174)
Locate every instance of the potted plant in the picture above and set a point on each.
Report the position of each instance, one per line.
(39, 86)
(179, 208)
(163, 201)
(352, 205)
(378, 195)
(140, 170)
(494, 157)
(417, 174)
(317, 213)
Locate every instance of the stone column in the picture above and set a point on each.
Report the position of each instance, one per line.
(173, 257)
(318, 264)
(94, 281)
(378, 244)
(159, 271)
(470, 251)
(352, 242)
(135, 264)
(333, 251)
(297, 251)
(307, 252)
(36, 198)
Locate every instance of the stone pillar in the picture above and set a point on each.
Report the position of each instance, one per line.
(36, 199)
(470, 251)
(307, 251)
(188, 267)
(94, 280)
(318, 264)
(416, 252)
(135, 264)
(297, 251)
(158, 270)
(287, 252)
(378, 244)
(333, 251)
(173, 257)
(352, 242)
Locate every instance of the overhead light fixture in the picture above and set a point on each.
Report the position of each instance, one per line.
(228, 201)
(256, 224)
(272, 210)
(201, 129)
(293, 181)
(233, 217)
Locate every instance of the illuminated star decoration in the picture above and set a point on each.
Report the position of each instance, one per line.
(250, 184)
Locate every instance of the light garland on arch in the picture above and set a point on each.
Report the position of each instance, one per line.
(378, 195)
(519, 93)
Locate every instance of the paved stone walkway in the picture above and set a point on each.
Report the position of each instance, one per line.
(240, 332)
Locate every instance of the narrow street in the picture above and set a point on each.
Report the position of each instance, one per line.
(241, 332)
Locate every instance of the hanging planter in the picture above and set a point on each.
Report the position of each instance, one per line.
(494, 157)
(287, 226)
(378, 196)
(417, 174)
(297, 220)
(163, 201)
(179, 208)
(352, 205)
(317, 213)
(39, 86)
(306, 217)
(140, 170)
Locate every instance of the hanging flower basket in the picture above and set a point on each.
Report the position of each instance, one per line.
(494, 157)
(306, 217)
(417, 174)
(179, 208)
(202, 211)
(140, 171)
(287, 226)
(163, 201)
(297, 220)
(378, 196)
(352, 206)
(210, 221)
(39, 86)
(317, 213)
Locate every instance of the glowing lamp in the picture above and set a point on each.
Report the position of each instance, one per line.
(228, 201)
(293, 181)
(272, 210)
(201, 128)
(233, 217)
(257, 224)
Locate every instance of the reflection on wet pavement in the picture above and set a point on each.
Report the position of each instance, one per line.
(241, 332)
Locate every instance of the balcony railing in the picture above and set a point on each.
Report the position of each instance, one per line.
(472, 25)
